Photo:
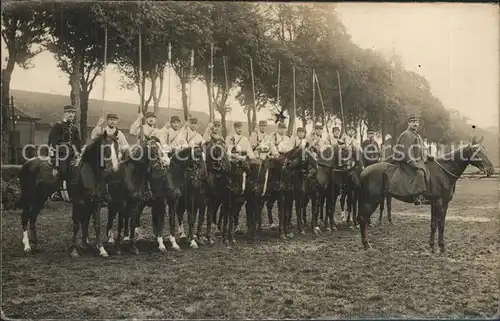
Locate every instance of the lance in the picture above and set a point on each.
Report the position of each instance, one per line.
(321, 100)
(141, 89)
(191, 81)
(169, 76)
(278, 90)
(253, 90)
(314, 101)
(294, 104)
(104, 68)
(211, 103)
(341, 105)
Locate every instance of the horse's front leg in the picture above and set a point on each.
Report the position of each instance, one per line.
(133, 208)
(172, 209)
(354, 206)
(112, 211)
(389, 209)
(269, 206)
(201, 219)
(158, 219)
(97, 226)
(192, 211)
(330, 211)
(442, 208)
(432, 239)
(76, 215)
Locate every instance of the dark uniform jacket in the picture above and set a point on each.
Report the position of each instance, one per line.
(409, 179)
(62, 133)
(371, 151)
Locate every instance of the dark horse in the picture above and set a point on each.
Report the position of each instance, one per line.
(192, 199)
(127, 186)
(218, 180)
(346, 181)
(86, 180)
(444, 173)
(184, 176)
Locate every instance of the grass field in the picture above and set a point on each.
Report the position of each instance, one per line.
(328, 276)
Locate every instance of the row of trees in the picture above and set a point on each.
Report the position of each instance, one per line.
(239, 38)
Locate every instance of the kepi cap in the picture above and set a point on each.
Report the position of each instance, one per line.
(370, 131)
(262, 123)
(318, 126)
(238, 124)
(193, 120)
(175, 118)
(301, 129)
(150, 114)
(217, 123)
(111, 116)
(413, 117)
(281, 125)
(69, 108)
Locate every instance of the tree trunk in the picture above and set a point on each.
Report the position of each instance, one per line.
(184, 98)
(76, 88)
(223, 121)
(249, 120)
(84, 106)
(6, 76)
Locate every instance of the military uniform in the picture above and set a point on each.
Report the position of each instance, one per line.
(64, 133)
(239, 144)
(371, 150)
(147, 130)
(317, 141)
(211, 134)
(193, 138)
(410, 154)
(99, 130)
(261, 142)
(296, 140)
(171, 138)
(280, 143)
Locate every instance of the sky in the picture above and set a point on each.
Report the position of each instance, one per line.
(454, 46)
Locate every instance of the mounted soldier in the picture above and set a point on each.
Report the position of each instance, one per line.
(64, 145)
(237, 144)
(299, 139)
(371, 149)
(260, 141)
(316, 140)
(335, 139)
(173, 137)
(193, 138)
(111, 129)
(148, 129)
(281, 142)
(410, 155)
(213, 131)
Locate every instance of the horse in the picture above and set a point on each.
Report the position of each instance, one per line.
(192, 198)
(184, 170)
(126, 189)
(218, 179)
(88, 180)
(86, 176)
(345, 182)
(444, 173)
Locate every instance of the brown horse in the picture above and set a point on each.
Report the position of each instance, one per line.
(126, 189)
(444, 173)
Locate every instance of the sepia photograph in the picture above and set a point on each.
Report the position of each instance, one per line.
(250, 160)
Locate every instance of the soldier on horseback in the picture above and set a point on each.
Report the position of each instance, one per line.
(260, 141)
(213, 131)
(371, 149)
(281, 142)
(300, 138)
(64, 145)
(316, 140)
(237, 144)
(148, 129)
(111, 129)
(174, 137)
(411, 156)
(193, 138)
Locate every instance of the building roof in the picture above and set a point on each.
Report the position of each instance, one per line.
(23, 116)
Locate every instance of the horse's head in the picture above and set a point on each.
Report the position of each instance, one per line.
(217, 157)
(102, 152)
(302, 158)
(344, 157)
(476, 154)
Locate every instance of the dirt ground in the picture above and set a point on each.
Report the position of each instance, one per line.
(328, 276)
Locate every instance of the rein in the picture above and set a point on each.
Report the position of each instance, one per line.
(447, 171)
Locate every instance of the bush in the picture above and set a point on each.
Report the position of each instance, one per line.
(11, 192)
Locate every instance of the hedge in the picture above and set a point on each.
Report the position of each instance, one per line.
(10, 186)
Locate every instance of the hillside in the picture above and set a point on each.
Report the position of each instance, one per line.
(48, 107)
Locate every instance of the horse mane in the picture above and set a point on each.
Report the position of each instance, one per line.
(453, 154)
(91, 149)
